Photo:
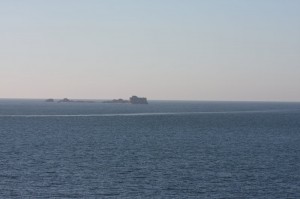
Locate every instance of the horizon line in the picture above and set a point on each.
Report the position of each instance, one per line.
(186, 100)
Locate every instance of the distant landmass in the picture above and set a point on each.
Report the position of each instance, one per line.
(132, 100)
(66, 100)
(138, 100)
(117, 101)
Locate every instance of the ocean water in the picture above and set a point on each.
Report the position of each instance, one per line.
(167, 149)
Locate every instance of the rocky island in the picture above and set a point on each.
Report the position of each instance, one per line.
(66, 100)
(132, 100)
(138, 100)
(117, 101)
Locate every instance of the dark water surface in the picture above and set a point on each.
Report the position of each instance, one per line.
(160, 150)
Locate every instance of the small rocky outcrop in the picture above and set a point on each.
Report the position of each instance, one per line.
(65, 100)
(117, 101)
(138, 100)
(132, 100)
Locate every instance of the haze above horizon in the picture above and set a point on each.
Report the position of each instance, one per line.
(234, 50)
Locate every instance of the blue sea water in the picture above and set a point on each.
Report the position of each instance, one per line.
(167, 149)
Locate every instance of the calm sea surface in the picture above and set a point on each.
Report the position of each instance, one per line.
(161, 150)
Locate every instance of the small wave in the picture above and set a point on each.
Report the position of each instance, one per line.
(153, 114)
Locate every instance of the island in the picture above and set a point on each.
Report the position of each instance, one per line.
(138, 100)
(117, 101)
(66, 100)
(132, 100)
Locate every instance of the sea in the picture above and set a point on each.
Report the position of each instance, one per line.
(166, 149)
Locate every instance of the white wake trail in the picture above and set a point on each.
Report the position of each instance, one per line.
(151, 114)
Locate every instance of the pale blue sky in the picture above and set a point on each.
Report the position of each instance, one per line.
(161, 49)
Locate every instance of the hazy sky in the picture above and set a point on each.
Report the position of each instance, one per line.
(161, 49)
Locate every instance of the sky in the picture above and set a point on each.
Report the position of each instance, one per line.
(233, 50)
